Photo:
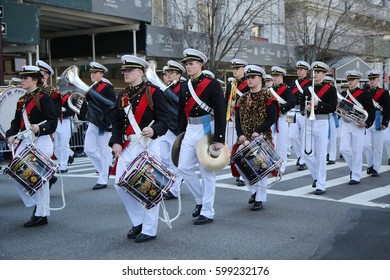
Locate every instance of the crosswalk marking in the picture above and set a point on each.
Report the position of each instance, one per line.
(82, 167)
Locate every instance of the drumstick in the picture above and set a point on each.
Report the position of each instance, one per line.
(24, 131)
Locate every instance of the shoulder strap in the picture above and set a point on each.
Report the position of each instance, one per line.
(195, 97)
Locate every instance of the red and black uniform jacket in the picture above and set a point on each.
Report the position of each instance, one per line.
(94, 111)
(212, 95)
(242, 85)
(298, 96)
(328, 95)
(35, 115)
(66, 111)
(382, 96)
(136, 96)
(284, 92)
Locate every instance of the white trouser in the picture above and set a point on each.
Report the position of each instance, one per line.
(61, 142)
(386, 141)
(42, 197)
(97, 149)
(332, 144)
(166, 143)
(280, 140)
(296, 136)
(203, 193)
(373, 147)
(259, 189)
(351, 147)
(137, 212)
(317, 142)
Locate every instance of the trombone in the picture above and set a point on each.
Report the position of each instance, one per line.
(312, 116)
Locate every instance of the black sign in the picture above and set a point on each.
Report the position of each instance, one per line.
(3, 28)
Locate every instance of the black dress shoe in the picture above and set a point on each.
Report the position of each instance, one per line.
(240, 183)
(302, 167)
(169, 196)
(52, 181)
(99, 186)
(63, 171)
(143, 238)
(374, 173)
(258, 205)
(70, 160)
(341, 156)
(36, 221)
(369, 170)
(252, 199)
(314, 185)
(318, 192)
(331, 162)
(134, 231)
(353, 182)
(196, 211)
(201, 220)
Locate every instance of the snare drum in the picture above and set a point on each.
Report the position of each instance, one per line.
(146, 179)
(31, 169)
(256, 160)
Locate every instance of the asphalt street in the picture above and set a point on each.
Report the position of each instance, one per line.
(347, 223)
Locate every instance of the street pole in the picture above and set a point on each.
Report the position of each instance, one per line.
(1, 61)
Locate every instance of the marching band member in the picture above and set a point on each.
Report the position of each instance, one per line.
(373, 142)
(257, 112)
(99, 128)
(296, 132)
(33, 108)
(268, 82)
(174, 72)
(63, 134)
(47, 72)
(333, 130)
(165, 77)
(199, 119)
(317, 129)
(280, 128)
(147, 105)
(242, 86)
(352, 135)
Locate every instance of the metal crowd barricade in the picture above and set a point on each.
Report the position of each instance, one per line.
(76, 141)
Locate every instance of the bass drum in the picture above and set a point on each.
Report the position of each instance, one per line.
(8, 99)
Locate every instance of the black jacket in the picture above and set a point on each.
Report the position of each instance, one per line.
(328, 101)
(133, 96)
(287, 96)
(213, 97)
(384, 102)
(95, 111)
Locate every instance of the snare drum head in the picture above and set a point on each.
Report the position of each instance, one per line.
(8, 100)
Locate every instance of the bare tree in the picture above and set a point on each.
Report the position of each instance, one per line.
(323, 28)
(223, 23)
